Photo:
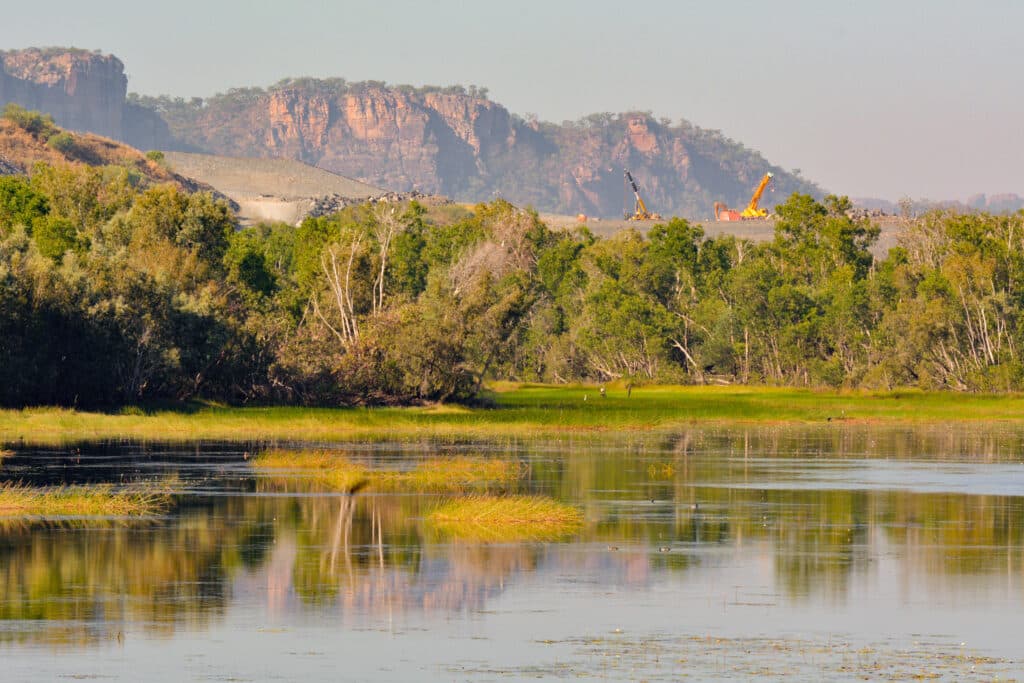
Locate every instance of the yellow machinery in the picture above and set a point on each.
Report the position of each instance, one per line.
(724, 213)
(640, 212)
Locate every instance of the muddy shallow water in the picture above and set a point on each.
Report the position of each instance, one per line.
(798, 553)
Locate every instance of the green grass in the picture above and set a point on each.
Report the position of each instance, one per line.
(101, 500)
(518, 411)
(440, 475)
(505, 518)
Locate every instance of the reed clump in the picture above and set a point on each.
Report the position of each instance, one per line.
(505, 518)
(99, 500)
(453, 474)
(323, 468)
(436, 475)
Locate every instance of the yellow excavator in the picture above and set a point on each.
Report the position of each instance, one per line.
(724, 213)
(640, 212)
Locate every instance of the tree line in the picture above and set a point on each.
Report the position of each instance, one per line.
(115, 293)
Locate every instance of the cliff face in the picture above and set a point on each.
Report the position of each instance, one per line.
(449, 141)
(83, 91)
(470, 148)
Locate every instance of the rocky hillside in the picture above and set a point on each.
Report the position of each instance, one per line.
(30, 138)
(82, 91)
(453, 141)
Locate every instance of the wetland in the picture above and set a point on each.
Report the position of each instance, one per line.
(853, 550)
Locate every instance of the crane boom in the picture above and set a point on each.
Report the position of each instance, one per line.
(752, 211)
(640, 212)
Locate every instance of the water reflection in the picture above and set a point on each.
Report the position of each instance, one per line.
(815, 510)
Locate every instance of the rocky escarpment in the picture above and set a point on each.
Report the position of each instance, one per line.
(461, 144)
(82, 91)
(452, 141)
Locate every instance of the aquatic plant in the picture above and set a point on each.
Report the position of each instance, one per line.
(324, 468)
(20, 500)
(449, 474)
(504, 518)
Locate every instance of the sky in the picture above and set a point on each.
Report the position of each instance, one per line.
(868, 98)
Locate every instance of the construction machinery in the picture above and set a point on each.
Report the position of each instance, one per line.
(640, 212)
(724, 213)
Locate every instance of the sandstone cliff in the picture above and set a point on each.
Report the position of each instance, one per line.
(459, 143)
(451, 141)
(83, 91)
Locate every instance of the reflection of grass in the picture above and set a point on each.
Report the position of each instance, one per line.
(520, 411)
(505, 518)
(317, 467)
(337, 473)
(18, 500)
(452, 474)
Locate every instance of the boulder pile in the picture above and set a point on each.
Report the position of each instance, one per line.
(333, 203)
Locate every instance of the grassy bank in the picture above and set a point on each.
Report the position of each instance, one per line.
(518, 411)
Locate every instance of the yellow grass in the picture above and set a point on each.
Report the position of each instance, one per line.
(329, 470)
(453, 474)
(520, 411)
(505, 518)
(18, 500)
(335, 472)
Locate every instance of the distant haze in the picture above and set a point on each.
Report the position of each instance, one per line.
(867, 98)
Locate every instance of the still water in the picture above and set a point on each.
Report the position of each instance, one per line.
(839, 553)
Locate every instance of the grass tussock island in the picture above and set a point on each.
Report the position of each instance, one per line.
(519, 411)
(338, 473)
(101, 500)
(505, 518)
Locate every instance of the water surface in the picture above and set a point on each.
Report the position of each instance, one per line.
(848, 551)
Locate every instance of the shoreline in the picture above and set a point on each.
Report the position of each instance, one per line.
(519, 410)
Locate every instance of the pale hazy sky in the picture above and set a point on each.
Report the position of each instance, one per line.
(880, 98)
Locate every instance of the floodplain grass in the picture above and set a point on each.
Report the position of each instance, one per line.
(323, 468)
(491, 518)
(99, 500)
(435, 475)
(516, 411)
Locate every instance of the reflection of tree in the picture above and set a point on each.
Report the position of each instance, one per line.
(820, 534)
(159, 574)
(365, 553)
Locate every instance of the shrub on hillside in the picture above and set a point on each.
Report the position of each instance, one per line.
(33, 122)
(63, 142)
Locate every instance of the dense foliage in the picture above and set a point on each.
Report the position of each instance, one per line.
(112, 293)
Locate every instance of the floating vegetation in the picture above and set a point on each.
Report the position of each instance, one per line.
(441, 475)
(656, 657)
(505, 518)
(100, 500)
